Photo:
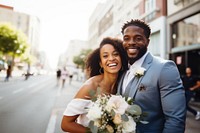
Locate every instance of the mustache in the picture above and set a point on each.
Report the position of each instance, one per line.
(133, 47)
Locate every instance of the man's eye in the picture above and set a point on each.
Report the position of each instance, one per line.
(138, 39)
(126, 38)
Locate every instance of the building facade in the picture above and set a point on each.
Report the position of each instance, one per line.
(112, 14)
(175, 27)
(29, 25)
(183, 25)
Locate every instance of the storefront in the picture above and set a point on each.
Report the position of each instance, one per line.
(184, 37)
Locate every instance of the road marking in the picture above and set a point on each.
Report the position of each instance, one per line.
(17, 91)
(52, 122)
(33, 84)
(38, 88)
(40, 85)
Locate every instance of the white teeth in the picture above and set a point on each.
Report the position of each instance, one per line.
(112, 64)
(132, 50)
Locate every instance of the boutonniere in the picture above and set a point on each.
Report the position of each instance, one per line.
(140, 72)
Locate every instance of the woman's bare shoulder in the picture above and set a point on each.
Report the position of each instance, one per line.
(89, 85)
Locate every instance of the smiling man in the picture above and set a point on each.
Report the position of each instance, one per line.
(159, 90)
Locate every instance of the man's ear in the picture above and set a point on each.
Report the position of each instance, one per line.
(148, 40)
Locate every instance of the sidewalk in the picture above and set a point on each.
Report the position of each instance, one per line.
(64, 96)
(15, 76)
(192, 125)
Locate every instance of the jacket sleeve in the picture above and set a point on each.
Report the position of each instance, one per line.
(172, 96)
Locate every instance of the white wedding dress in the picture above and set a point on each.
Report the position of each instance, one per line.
(79, 107)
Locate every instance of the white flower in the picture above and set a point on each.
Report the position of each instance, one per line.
(113, 113)
(128, 126)
(94, 112)
(117, 103)
(117, 119)
(110, 129)
(140, 71)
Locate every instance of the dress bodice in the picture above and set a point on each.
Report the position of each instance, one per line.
(79, 107)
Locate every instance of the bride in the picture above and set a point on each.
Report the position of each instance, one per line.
(105, 66)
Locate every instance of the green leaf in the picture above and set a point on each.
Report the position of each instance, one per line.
(93, 128)
(92, 94)
(134, 110)
(124, 117)
(112, 113)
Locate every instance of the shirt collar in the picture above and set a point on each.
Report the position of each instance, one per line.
(139, 62)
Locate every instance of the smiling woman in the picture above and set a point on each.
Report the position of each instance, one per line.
(105, 66)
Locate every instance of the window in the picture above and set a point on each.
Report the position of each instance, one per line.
(187, 31)
(150, 5)
(154, 44)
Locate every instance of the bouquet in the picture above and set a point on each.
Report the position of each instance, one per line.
(113, 114)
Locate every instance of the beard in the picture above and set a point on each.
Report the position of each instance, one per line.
(142, 51)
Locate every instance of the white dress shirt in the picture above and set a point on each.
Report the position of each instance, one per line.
(130, 74)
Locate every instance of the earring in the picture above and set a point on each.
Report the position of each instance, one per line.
(101, 70)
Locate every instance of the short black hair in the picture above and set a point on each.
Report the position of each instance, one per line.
(139, 23)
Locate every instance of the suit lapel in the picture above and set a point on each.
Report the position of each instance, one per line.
(120, 85)
(130, 89)
(135, 84)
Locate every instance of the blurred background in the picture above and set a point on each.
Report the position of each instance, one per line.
(38, 37)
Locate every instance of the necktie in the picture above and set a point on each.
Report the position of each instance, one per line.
(130, 75)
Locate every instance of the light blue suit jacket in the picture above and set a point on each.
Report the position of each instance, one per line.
(161, 95)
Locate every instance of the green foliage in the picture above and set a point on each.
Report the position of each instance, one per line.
(79, 60)
(12, 41)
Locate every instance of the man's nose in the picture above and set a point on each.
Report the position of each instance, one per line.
(132, 41)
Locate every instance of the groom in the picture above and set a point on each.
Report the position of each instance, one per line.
(153, 82)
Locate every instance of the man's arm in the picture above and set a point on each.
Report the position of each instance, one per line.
(196, 86)
(172, 99)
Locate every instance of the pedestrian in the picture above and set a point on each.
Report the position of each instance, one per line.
(70, 77)
(8, 73)
(64, 74)
(190, 83)
(58, 75)
(154, 83)
(105, 66)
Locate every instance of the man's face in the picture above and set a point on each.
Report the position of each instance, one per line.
(135, 43)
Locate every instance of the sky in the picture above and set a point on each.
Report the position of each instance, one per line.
(61, 21)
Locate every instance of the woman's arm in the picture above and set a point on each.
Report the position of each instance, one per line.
(69, 124)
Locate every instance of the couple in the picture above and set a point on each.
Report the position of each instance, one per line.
(159, 92)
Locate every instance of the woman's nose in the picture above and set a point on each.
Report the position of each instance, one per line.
(111, 57)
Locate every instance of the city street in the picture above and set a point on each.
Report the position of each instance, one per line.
(36, 105)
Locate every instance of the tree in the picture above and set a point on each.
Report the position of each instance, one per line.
(79, 60)
(12, 41)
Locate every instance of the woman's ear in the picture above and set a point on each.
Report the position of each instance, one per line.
(100, 64)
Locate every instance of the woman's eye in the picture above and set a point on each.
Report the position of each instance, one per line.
(105, 56)
(116, 54)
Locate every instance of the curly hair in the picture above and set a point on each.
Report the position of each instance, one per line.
(93, 59)
(139, 23)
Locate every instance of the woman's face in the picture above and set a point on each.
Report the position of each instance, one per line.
(110, 59)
